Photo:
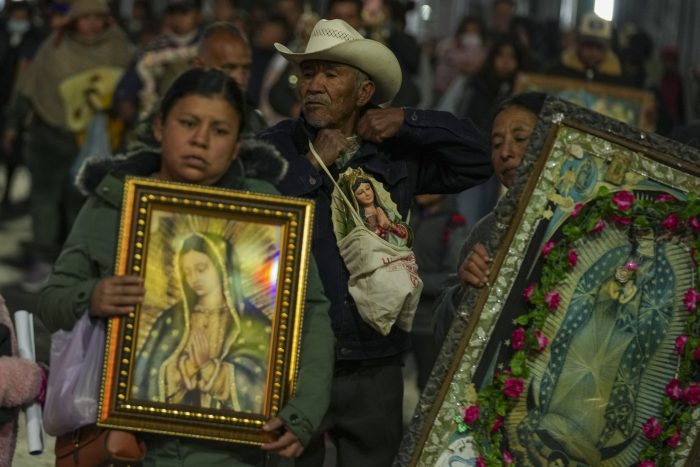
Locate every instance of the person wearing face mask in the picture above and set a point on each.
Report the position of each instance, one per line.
(71, 78)
(513, 123)
(460, 54)
(20, 38)
(160, 61)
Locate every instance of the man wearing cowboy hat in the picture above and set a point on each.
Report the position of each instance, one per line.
(343, 80)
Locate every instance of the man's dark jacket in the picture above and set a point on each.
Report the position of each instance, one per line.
(434, 152)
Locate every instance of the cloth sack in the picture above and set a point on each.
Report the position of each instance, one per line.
(75, 367)
(384, 280)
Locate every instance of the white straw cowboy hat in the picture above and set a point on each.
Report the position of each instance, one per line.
(336, 41)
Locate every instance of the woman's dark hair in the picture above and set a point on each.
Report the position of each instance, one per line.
(206, 83)
(532, 101)
(202, 243)
(488, 70)
(199, 244)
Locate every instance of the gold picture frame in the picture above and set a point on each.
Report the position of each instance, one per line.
(504, 374)
(213, 350)
(629, 105)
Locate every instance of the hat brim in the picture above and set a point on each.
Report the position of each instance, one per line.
(371, 57)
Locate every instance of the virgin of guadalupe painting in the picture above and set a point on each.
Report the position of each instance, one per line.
(626, 104)
(209, 349)
(576, 354)
(372, 203)
(212, 352)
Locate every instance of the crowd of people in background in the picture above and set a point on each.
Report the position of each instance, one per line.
(466, 72)
(82, 79)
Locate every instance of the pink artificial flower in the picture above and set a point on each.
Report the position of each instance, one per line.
(680, 344)
(471, 414)
(696, 353)
(623, 200)
(600, 225)
(552, 299)
(529, 290)
(508, 458)
(672, 222)
(542, 341)
(547, 248)
(647, 464)
(631, 265)
(694, 224)
(496, 425)
(518, 338)
(620, 219)
(673, 441)
(674, 390)
(691, 394)
(665, 198)
(652, 428)
(481, 462)
(572, 258)
(512, 387)
(577, 209)
(690, 300)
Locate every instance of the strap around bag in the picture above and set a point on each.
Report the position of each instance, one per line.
(356, 217)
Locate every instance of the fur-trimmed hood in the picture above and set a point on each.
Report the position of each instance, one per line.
(256, 159)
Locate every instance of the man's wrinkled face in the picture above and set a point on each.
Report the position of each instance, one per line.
(330, 94)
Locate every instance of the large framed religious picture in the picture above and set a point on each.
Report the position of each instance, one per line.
(633, 106)
(585, 348)
(213, 350)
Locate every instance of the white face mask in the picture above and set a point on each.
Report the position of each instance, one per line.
(17, 26)
(470, 40)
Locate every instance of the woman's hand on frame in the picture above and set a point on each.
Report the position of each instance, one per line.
(116, 295)
(287, 445)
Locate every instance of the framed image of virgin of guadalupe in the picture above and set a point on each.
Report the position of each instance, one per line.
(627, 104)
(585, 348)
(212, 352)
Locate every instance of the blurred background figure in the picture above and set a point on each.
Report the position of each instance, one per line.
(20, 38)
(224, 10)
(349, 11)
(671, 86)
(266, 60)
(279, 98)
(224, 46)
(140, 25)
(71, 78)
(592, 57)
(502, 14)
(438, 233)
(475, 94)
(159, 62)
(459, 55)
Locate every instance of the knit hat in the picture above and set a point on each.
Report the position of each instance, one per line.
(80, 8)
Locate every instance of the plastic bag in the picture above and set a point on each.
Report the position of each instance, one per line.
(74, 376)
(97, 143)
